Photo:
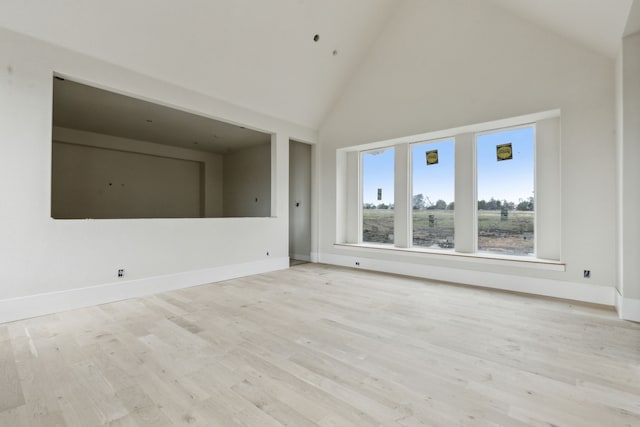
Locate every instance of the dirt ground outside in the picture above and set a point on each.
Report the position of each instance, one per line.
(434, 229)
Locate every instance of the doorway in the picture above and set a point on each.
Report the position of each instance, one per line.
(299, 202)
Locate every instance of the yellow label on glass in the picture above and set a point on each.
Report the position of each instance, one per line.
(432, 157)
(504, 152)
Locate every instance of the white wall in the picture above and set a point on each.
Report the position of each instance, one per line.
(300, 201)
(247, 182)
(442, 64)
(42, 259)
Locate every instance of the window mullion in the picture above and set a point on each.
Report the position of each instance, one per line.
(465, 205)
(402, 202)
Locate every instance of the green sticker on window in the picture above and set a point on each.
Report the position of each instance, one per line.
(432, 157)
(504, 152)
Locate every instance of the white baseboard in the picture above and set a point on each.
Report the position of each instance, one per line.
(315, 257)
(301, 257)
(55, 302)
(628, 308)
(530, 285)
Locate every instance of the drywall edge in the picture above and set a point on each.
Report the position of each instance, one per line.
(628, 308)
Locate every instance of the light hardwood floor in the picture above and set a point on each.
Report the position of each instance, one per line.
(323, 346)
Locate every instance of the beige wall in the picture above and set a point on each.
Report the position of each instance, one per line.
(629, 173)
(91, 182)
(84, 163)
(247, 182)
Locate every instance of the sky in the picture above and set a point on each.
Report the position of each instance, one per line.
(511, 180)
(377, 172)
(434, 181)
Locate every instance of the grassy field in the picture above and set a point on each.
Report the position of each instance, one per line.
(377, 225)
(434, 229)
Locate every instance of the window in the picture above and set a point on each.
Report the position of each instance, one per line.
(487, 190)
(433, 193)
(505, 167)
(378, 196)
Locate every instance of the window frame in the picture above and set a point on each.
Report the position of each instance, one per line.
(451, 138)
(548, 187)
(361, 154)
(476, 242)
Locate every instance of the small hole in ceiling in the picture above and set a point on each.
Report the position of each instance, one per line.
(316, 37)
(335, 52)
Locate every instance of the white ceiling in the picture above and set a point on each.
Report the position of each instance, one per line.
(597, 24)
(82, 107)
(260, 54)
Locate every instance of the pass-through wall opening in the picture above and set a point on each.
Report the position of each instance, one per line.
(115, 156)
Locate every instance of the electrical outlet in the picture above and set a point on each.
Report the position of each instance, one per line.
(121, 272)
(587, 274)
(357, 263)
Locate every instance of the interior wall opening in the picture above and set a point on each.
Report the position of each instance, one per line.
(114, 156)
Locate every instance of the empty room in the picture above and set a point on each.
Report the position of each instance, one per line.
(319, 213)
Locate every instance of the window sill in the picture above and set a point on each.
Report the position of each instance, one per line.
(480, 258)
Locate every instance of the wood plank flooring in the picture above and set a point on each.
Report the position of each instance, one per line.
(323, 346)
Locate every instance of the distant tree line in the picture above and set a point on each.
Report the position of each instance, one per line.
(420, 202)
(496, 205)
(378, 206)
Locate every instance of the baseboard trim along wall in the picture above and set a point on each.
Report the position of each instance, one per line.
(553, 288)
(54, 302)
(628, 308)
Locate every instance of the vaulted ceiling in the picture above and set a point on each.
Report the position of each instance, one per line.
(261, 54)
(254, 53)
(597, 24)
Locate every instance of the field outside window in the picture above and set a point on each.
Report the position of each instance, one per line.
(506, 214)
(378, 196)
(433, 192)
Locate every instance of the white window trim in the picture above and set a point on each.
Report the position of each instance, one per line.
(360, 189)
(410, 176)
(533, 126)
(551, 255)
(476, 258)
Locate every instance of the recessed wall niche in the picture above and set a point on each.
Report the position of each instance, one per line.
(114, 156)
